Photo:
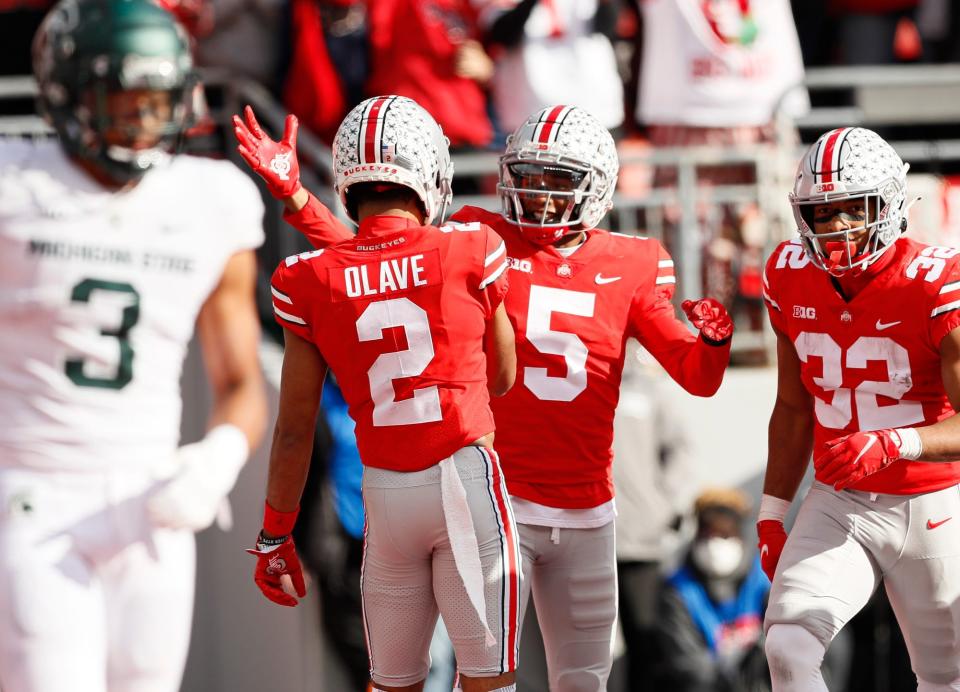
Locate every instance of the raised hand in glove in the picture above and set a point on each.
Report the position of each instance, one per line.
(278, 572)
(772, 538)
(194, 488)
(275, 162)
(711, 318)
(852, 457)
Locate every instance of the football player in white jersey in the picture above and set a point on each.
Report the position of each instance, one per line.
(111, 252)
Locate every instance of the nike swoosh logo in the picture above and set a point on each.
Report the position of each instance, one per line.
(866, 448)
(881, 326)
(606, 279)
(763, 551)
(931, 525)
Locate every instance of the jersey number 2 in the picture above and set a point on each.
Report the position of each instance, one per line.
(76, 369)
(424, 405)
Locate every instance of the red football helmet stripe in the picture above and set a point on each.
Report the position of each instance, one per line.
(370, 130)
(549, 124)
(830, 154)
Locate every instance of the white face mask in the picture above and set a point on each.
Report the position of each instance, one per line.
(718, 557)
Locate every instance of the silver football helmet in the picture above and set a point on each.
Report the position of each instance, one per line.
(558, 172)
(850, 163)
(391, 139)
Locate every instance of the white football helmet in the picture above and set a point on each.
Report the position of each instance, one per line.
(560, 143)
(391, 139)
(850, 163)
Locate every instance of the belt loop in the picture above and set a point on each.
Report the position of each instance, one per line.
(555, 536)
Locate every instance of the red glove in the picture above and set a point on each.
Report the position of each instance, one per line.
(772, 537)
(275, 162)
(851, 457)
(711, 318)
(278, 572)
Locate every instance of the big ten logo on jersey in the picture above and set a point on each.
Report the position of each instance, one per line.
(386, 276)
(931, 261)
(793, 255)
(520, 265)
(804, 313)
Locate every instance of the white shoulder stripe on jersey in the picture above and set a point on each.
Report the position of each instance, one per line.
(665, 263)
(666, 280)
(947, 288)
(945, 308)
(493, 277)
(630, 235)
(502, 248)
(280, 296)
(287, 316)
(772, 302)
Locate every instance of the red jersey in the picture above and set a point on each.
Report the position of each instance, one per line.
(399, 313)
(572, 317)
(872, 362)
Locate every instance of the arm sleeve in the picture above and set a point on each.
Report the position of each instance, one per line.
(289, 309)
(945, 310)
(686, 662)
(318, 223)
(694, 364)
(493, 274)
(773, 307)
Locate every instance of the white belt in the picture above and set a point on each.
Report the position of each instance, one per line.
(463, 540)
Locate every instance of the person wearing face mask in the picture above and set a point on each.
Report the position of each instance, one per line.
(710, 612)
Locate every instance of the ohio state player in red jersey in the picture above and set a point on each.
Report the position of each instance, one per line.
(411, 321)
(577, 294)
(869, 381)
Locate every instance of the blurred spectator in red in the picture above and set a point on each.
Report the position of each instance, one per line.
(242, 37)
(868, 28)
(429, 51)
(553, 51)
(714, 73)
(19, 20)
(328, 62)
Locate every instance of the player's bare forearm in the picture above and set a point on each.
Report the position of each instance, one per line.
(500, 347)
(229, 334)
(790, 444)
(301, 385)
(321, 227)
(941, 441)
(790, 436)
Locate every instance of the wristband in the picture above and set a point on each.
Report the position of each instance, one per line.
(278, 523)
(908, 442)
(773, 508)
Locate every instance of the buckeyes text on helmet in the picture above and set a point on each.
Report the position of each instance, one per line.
(565, 144)
(89, 56)
(850, 163)
(392, 139)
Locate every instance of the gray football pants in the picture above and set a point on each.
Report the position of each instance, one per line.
(572, 574)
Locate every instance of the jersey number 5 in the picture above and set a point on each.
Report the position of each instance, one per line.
(424, 405)
(838, 413)
(543, 303)
(78, 369)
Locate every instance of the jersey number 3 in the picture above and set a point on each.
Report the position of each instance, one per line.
(838, 413)
(77, 369)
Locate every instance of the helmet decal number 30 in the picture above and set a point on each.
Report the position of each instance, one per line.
(424, 405)
(838, 412)
(543, 303)
(126, 299)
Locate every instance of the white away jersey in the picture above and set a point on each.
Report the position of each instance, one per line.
(99, 292)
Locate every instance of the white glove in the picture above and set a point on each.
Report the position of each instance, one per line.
(204, 473)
